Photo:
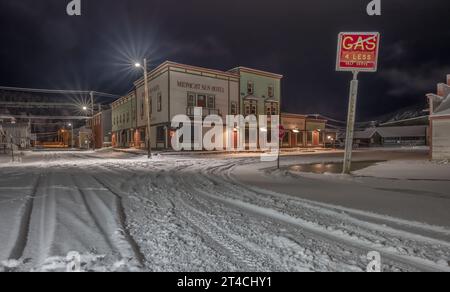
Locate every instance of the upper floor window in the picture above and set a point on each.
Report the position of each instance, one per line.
(159, 102)
(211, 102)
(234, 108)
(250, 87)
(191, 99)
(271, 108)
(201, 100)
(251, 107)
(270, 91)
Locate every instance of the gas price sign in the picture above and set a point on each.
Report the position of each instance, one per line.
(358, 51)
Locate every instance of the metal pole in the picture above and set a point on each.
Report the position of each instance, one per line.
(71, 137)
(149, 121)
(351, 123)
(92, 119)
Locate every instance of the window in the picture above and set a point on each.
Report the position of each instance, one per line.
(286, 138)
(271, 108)
(234, 108)
(160, 134)
(270, 91)
(211, 102)
(300, 139)
(310, 138)
(251, 107)
(201, 100)
(191, 99)
(250, 87)
(142, 110)
(159, 101)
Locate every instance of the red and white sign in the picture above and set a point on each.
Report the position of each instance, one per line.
(358, 51)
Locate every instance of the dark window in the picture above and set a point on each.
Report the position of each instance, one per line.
(250, 87)
(310, 137)
(270, 91)
(191, 100)
(251, 107)
(201, 100)
(234, 108)
(160, 134)
(300, 139)
(211, 102)
(159, 102)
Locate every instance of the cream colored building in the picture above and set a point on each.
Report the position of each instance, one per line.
(177, 89)
(440, 121)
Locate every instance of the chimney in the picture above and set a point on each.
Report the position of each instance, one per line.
(440, 89)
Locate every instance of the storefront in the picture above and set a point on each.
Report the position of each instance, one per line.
(303, 131)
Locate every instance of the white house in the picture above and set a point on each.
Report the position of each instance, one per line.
(440, 121)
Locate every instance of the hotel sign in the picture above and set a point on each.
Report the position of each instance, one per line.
(358, 51)
(198, 86)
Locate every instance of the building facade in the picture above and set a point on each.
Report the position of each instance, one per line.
(303, 131)
(123, 116)
(176, 89)
(440, 121)
(102, 128)
(18, 134)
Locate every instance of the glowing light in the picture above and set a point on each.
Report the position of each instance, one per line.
(264, 130)
(137, 65)
(296, 131)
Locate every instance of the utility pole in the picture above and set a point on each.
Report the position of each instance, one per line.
(351, 123)
(147, 99)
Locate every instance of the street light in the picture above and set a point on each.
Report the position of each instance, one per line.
(147, 100)
(71, 135)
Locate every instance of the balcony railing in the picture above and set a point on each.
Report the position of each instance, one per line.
(205, 111)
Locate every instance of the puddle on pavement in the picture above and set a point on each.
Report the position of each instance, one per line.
(321, 168)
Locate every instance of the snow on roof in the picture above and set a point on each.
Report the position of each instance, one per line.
(366, 134)
(443, 108)
(407, 131)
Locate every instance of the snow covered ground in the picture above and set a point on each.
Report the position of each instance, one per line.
(122, 212)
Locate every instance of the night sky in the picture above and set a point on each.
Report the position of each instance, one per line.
(42, 47)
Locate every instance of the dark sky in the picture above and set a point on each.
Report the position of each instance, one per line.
(43, 47)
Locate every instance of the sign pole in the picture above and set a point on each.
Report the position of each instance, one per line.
(351, 123)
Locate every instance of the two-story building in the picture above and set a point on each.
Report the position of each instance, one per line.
(124, 121)
(440, 121)
(176, 89)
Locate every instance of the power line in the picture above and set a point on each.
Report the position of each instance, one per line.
(57, 91)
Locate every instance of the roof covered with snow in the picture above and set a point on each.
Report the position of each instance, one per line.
(366, 134)
(444, 108)
(409, 131)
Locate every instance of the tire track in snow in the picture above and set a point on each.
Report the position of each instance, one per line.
(122, 219)
(25, 221)
(420, 264)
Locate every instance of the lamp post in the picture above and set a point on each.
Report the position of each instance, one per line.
(71, 135)
(147, 100)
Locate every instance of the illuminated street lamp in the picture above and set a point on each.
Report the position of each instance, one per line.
(147, 100)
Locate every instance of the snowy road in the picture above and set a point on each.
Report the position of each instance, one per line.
(189, 214)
